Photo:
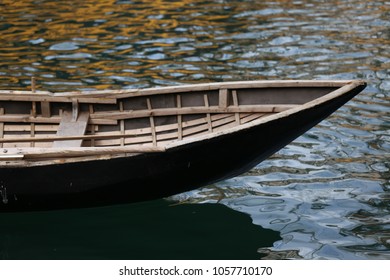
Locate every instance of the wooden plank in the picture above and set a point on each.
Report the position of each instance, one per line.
(36, 153)
(68, 127)
(45, 109)
(223, 98)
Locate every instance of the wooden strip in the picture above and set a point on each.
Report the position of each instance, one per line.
(36, 153)
(235, 103)
(179, 119)
(216, 86)
(123, 93)
(129, 114)
(223, 98)
(252, 117)
(50, 138)
(207, 105)
(68, 127)
(1, 127)
(27, 128)
(152, 126)
(52, 98)
(19, 118)
(11, 157)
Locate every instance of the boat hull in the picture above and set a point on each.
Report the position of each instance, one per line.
(155, 175)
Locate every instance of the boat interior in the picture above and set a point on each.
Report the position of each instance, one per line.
(139, 120)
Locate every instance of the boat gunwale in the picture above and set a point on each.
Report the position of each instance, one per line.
(124, 93)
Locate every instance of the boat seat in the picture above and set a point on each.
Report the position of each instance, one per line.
(71, 126)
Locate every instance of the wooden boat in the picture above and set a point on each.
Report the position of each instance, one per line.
(79, 149)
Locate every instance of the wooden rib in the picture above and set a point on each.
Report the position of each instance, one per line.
(92, 127)
(235, 103)
(168, 127)
(1, 127)
(32, 134)
(207, 105)
(77, 151)
(32, 125)
(179, 119)
(152, 126)
(33, 109)
(122, 124)
(45, 109)
(129, 114)
(223, 98)
(75, 110)
(199, 129)
(189, 128)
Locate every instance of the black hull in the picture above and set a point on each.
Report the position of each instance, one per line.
(155, 175)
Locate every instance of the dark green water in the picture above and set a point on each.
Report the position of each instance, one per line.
(326, 194)
(149, 230)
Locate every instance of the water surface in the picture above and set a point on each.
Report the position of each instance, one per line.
(327, 193)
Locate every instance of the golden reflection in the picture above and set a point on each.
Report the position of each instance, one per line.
(205, 40)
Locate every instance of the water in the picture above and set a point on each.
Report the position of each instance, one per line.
(326, 194)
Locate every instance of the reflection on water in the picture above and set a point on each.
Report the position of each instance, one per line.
(328, 192)
(149, 230)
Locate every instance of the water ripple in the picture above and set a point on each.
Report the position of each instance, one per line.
(327, 192)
